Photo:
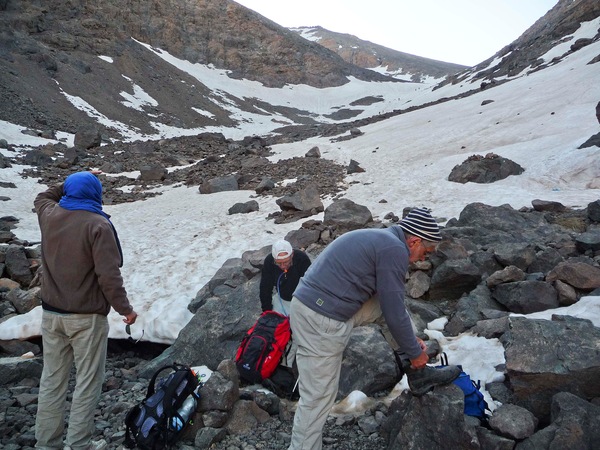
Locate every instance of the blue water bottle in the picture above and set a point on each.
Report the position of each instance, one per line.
(176, 423)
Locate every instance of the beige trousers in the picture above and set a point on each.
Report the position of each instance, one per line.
(370, 312)
(78, 338)
(321, 342)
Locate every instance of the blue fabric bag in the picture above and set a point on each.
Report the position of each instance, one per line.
(475, 404)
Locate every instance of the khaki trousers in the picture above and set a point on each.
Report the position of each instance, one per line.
(370, 312)
(321, 342)
(68, 338)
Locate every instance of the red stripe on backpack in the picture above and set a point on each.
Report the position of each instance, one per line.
(262, 348)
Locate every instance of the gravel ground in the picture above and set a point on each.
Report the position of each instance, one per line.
(123, 389)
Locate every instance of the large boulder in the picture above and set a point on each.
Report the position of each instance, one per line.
(484, 169)
(578, 274)
(369, 364)
(525, 297)
(347, 214)
(513, 422)
(575, 424)
(594, 211)
(306, 199)
(17, 369)
(435, 421)
(87, 137)
(454, 278)
(589, 240)
(17, 265)
(153, 173)
(219, 184)
(502, 218)
(520, 255)
(545, 357)
(476, 306)
(215, 331)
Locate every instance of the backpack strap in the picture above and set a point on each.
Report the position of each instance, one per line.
(168, 406)
(151, 384)
(170, 390)
(444, 359)
(129, 442)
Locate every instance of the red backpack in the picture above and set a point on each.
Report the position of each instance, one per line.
(262, 348)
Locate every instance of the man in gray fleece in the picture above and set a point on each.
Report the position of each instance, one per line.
(351, 270)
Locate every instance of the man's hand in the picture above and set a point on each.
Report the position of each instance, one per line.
(420, 361)
(422, 344)
(130, 318)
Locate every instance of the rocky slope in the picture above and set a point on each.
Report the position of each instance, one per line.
(503, 260)
(50, 47)
(369, 55)
(554, 27)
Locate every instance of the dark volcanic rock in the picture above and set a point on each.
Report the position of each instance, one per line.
(480, 169)
(546, 357)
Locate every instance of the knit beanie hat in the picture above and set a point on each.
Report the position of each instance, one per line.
(281, 250)
(420, 223)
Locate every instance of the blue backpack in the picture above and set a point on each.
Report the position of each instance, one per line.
(475, 404)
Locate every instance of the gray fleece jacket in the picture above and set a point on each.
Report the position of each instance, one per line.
(352, 269)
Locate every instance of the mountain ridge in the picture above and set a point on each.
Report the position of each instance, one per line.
(369, 55)
(69, 64)
(526, 51)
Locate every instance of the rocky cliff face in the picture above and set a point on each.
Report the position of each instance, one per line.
(50, 59)
(49, 48)
(369, 55)
(218, 32)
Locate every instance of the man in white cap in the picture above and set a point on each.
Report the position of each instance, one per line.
(352, 269)
(282, 270)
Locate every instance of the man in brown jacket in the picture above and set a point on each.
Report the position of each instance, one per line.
(81, 281)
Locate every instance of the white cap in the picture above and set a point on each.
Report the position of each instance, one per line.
(281, 250)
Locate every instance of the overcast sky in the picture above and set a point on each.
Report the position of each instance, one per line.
(458, 31)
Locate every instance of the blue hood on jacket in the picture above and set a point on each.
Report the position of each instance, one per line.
(83, 191)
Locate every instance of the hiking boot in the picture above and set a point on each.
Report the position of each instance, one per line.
(94, 445)
(98, 445)
(421, 381)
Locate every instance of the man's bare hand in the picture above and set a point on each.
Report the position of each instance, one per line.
(420, 361)
(422, 344)
(130, 318)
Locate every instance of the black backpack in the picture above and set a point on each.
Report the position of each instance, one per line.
(149, 424)
(283, 383)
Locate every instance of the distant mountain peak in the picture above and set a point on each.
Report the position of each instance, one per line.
(394, 63)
